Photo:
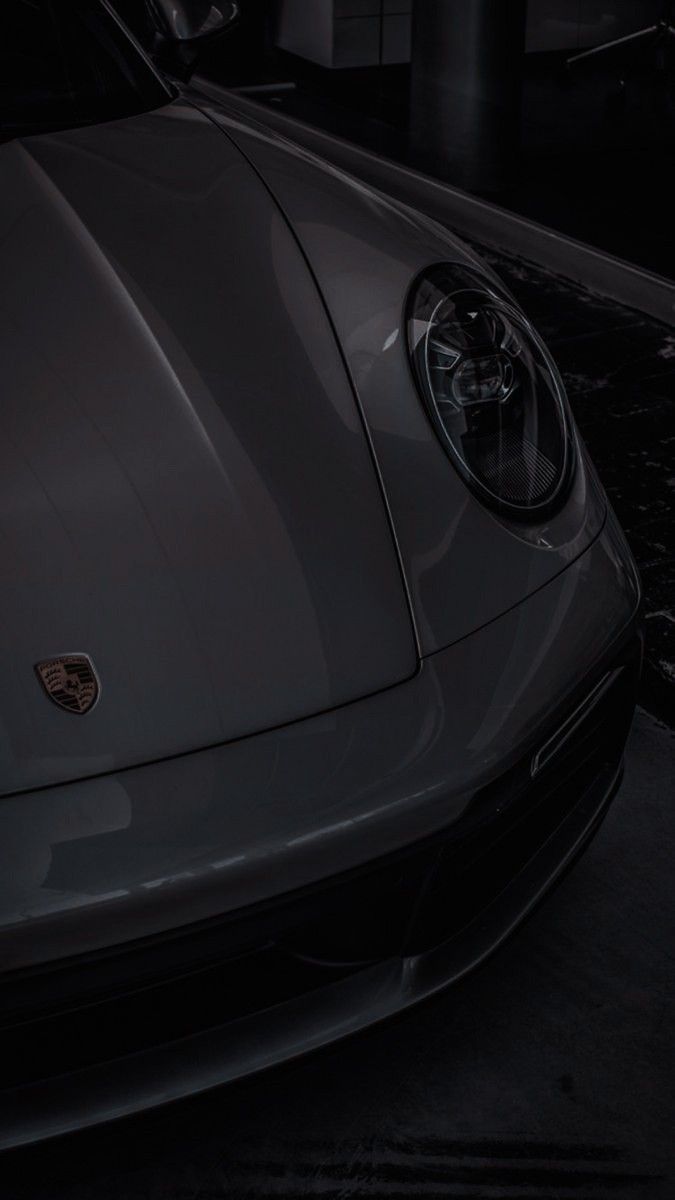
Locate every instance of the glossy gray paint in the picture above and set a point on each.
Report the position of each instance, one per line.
(218, 480)
(463, 564)
(189, 495)
(187, 492)
(135, 852)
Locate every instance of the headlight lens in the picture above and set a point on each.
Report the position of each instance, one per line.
(492, 391)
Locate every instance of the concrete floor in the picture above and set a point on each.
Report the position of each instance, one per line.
(548, 1073)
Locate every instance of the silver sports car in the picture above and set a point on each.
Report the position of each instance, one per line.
(319, 639)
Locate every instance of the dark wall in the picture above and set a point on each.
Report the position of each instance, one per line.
(571, 24)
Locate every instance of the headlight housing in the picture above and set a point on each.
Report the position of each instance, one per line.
(491, 390)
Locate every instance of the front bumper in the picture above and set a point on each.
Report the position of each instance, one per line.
(178, 925)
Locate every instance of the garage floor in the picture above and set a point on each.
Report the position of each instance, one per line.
(551, 1071)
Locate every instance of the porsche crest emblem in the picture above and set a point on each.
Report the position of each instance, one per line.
(70, 681)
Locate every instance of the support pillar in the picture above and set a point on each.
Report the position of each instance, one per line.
(467, 69)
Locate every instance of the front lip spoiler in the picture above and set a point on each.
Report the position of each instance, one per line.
(195, 1064)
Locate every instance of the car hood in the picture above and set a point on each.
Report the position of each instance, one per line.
(188, 493)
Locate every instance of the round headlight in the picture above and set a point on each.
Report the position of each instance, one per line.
(492, 391)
